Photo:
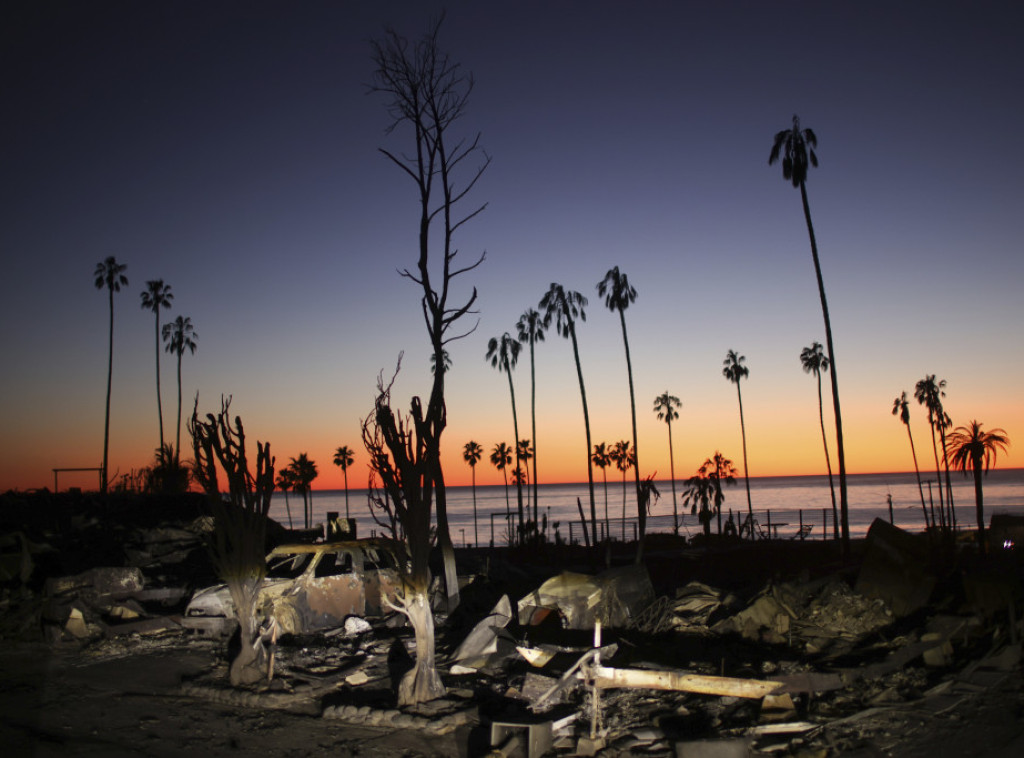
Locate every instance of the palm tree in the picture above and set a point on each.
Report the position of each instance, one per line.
(304, 472)
(343, 459)
(602, 459)
(734, 370)
(665, 406)
(929, 393)
(565, 307)
(446, 362)
(623, 458)
(285, 483)
(109, 274)
(796, 147)
(977, 449)
(504, 354)
(525, 454)
(901, 408)
(618, 295)
(501, 457)
(471, 454)
(179, 336)
(157, 295)
(719, 470)
(814, 361)
(530, 330)
(698, 495)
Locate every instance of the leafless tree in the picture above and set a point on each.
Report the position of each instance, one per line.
(426, 96)
(240, 519)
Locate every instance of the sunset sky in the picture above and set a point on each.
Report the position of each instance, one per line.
(231, 149)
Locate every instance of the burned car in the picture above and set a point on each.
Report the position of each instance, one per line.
(308, 587)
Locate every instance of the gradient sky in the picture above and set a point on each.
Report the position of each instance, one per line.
(231, 149)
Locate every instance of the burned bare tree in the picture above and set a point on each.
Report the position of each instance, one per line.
(240, 520)
(426, 94)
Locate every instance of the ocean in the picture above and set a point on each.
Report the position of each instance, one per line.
(785, 502)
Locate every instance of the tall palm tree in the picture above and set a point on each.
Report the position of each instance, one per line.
(665, 406)
(623, 458)
(972, 447)
(304, 472)
(565, 308)
(343, 458)
(796, 148)
(471, 454)
(157, 295)
(814, 361)
(110, 275)
(901, 408)
(530, 329)
(179, 336)
(501, 458)
(618, 295)
(929, 393)
(602, 459)
(734, 370)
(504, 355)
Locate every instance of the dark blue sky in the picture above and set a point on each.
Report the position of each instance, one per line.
(231, 149)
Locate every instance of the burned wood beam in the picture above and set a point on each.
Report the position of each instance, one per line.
(680, 682)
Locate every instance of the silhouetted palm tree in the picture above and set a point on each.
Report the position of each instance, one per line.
(285, 483)
(814, 361)
(929, 393)
(471, 454)
(618, 295)
(446, 362)
(501, 457)
(698, 495)
(971, 447)
(719, 470)
(665, 406)
(565, 307)
(734, 370)
(157, 295)
(109, 274)
(504, 354)
(602, 459)
(343, 459)
(179, 336)
(901, 408)
(796, 148)
(622, 456)
(304, 472)
(530, 330)
(525, 454)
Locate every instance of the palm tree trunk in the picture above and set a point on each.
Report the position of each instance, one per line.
(743, 434)
(533, 429)
(348, 515)
(110, 375)
(515, 447)
(949, 486)
(917, 472)
(841, 451)
(938, 476)
(641, 508)
(672, 472)
(177, 440)
(979, 504)
(476, 532)
(828, 461)
(586, 421)
(159, 402)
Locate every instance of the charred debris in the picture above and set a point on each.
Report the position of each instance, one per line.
(735, 648)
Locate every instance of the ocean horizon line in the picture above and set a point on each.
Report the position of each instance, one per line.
(773, 478)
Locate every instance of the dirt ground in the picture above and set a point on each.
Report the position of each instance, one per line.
(123, 698)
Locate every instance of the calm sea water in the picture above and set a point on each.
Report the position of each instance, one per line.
(785, 501)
